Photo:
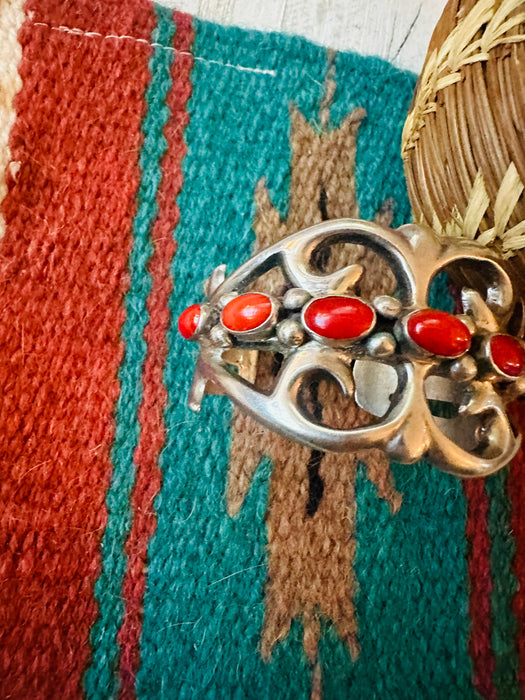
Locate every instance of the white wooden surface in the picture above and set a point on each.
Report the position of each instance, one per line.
(397, 30)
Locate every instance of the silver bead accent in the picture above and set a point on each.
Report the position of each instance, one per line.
(387, 306)
(464, 369)
(381, 345)
(290, 333)
(296, 298)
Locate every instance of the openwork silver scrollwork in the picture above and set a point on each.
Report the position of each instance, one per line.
(397, 365)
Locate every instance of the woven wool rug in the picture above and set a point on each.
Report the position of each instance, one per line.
(149, 551)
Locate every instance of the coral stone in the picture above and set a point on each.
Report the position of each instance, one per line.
(507, 355)
(439, 332)
(189, 320)
(246, 312)
(339, 318)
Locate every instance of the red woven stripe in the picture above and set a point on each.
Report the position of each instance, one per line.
(152, 435)
(480, 587)
(132, 18)
(516, 491)
(63, 275)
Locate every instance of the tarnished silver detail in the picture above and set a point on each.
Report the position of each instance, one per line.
(404, 388)
(469, 322)
(219, 336)
(387, 306)
(290, 333)
(381, 345)
(225, 299)
(294, 299)
(476, 307)
(204, 321)
(197, 391)
(465, 369)
(515, 389)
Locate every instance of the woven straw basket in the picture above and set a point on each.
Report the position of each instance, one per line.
(464, 138)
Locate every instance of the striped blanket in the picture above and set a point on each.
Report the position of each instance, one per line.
(148, 551)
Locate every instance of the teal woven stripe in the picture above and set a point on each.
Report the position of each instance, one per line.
(203, 608)
(504, 624)
(412, 601)
(101, 680)
(204, 601)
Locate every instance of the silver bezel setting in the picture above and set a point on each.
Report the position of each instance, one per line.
(263, 330)
(333, 342)
(493, 369)
(406, 339)
(205, 313)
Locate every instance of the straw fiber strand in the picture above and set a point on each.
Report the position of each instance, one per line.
(11, 18)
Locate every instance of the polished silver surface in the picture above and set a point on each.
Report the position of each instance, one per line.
(465, 369)
(449, 410)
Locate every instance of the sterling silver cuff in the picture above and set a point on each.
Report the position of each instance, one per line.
(434, 385)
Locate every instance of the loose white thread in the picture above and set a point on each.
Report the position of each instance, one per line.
(81, 32)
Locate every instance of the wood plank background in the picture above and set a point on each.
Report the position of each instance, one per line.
(396, 30)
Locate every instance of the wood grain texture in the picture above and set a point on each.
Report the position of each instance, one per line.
(398, 32)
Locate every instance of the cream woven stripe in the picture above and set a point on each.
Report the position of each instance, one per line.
(11, 18)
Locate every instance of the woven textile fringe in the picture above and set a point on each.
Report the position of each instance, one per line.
(11, 18)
